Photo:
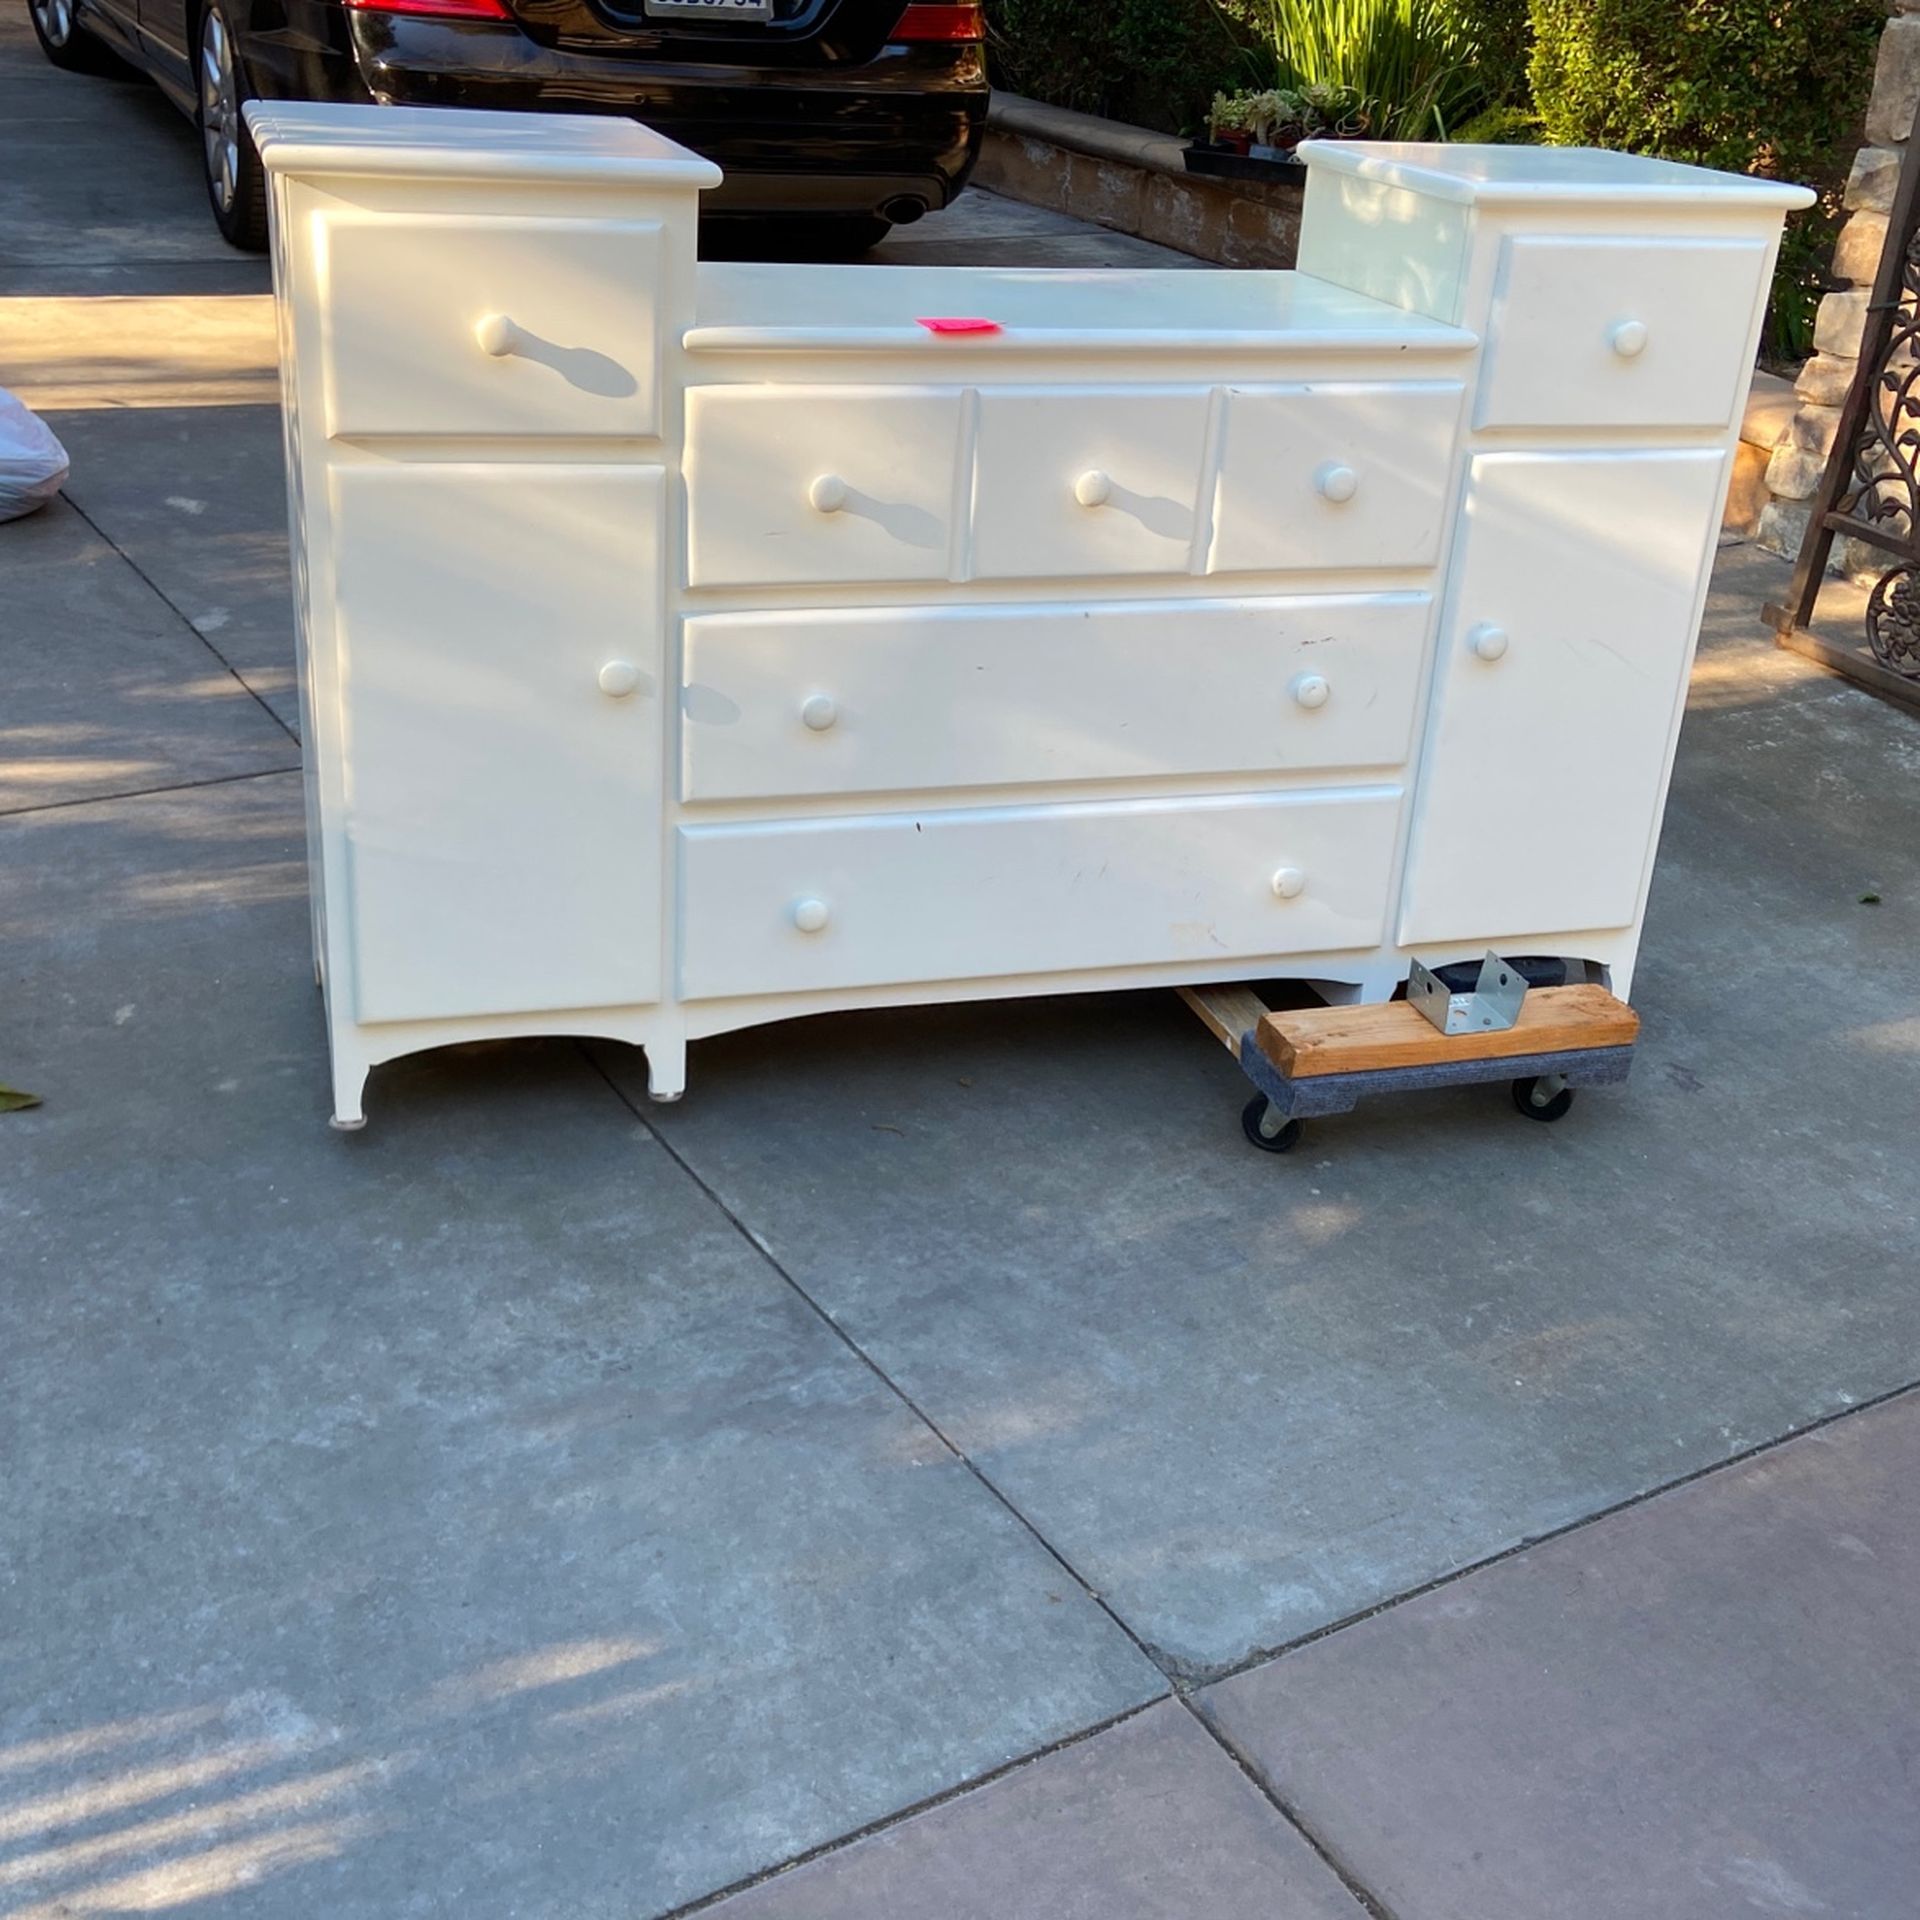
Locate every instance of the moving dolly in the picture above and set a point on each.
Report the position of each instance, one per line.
(1546, 1039)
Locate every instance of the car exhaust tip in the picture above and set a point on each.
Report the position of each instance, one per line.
(904, 209)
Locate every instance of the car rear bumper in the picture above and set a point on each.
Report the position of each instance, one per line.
(903, 127)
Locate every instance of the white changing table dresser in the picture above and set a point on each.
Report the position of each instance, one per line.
(689, 646)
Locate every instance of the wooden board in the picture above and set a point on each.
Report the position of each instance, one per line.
(1323, 1040)
(1228, 1013)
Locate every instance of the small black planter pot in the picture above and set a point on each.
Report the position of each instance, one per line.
(1225, 163)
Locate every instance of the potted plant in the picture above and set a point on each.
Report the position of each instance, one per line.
(1230, 122)
(1252, 134)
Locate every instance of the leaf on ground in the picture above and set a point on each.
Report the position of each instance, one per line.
(1869, 899)
(12, 1099)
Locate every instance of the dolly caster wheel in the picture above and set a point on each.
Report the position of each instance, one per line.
(1264, 1125)
(1546, 1097)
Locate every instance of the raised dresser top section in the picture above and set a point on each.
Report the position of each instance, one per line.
(1051, 309)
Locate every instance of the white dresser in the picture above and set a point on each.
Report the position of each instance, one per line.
(690, 646)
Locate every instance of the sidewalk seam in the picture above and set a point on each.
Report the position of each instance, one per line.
(842, 1841)
(880, 1373)
(146, 793)
(1264, 1656)
(179, 614)
(1182, 1684)
(1362, 1895)
(1355, 1888)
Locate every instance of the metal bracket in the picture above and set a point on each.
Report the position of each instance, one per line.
(1492, 1006)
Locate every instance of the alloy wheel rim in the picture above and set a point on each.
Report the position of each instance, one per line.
(56, 20)
(219, 106)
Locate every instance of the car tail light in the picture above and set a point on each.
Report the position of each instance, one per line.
(925, 21)
(436, 9)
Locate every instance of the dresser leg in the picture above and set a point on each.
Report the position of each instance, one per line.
(666, 1069)
(349, 1084)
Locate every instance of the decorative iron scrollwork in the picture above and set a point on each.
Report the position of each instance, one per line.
(1870, 492)
(1893, 621)
(1883, 491)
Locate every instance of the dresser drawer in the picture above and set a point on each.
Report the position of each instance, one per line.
(879, 700)
(474, 325)
(1020, 890)
(1334, 476)
(792, 485)
(1628, 333)
(1087, 481)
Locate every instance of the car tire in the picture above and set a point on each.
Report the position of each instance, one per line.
(65, 42)
(236, 181)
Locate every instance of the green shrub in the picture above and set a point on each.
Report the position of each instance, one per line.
(1770, 87)
(1155, 63)
(1501, 127)
(1501, 32)
(1417, 66)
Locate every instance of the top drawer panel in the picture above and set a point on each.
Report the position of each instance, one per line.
(1630, 333)
(789, 485)
(1336, 474)
(473, 325)
(1087, 480)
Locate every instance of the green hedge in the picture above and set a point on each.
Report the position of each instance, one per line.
(1154, 63)
(1771, 87)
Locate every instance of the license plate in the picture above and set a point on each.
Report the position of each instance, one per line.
(708, 9)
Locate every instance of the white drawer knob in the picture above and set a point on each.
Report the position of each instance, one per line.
(1289, 883)
(1337, 482)
(1488, 641)
(809, 915)
(497, 334)
(1093, 488)
(818, 711)
(828, 494)
(1311, 689)
(619, 678)
(1628, 339)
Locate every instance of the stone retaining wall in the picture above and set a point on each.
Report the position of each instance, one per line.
(1793, 472)
(1134, 182)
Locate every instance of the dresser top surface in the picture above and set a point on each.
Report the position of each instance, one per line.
(331, 137)
(1494, 175)
(755, 306)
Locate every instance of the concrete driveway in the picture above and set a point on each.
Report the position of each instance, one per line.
(544, 1504)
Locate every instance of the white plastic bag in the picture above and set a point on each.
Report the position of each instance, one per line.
(33, 464)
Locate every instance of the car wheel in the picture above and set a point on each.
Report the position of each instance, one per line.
(64, 40)
(236, 181)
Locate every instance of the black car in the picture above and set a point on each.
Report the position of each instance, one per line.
(840, 117)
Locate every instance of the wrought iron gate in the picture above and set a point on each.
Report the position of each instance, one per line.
(1870, 491)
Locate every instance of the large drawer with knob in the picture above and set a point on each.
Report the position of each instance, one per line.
(865, 901)
(489, 325)
(878, 700)
(1621, 333)
(1334, 475)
